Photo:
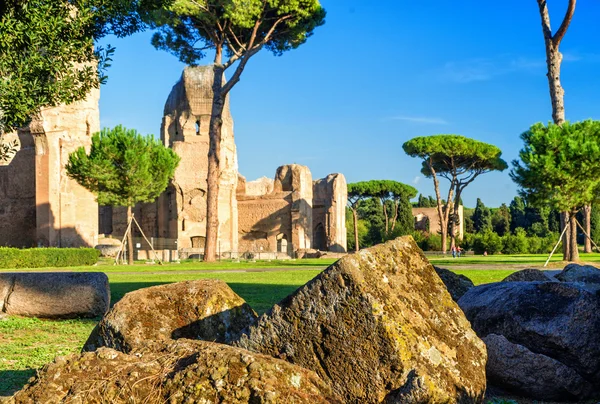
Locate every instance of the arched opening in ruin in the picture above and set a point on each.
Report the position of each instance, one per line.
(319, 238)
(282, 243)
(197, 127)
(198, 242)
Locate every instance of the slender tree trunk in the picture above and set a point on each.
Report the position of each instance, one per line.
(456, 207)
(574, 251)
(387, 221)
(566, 240)
(214, 166)
(396, 203)
(355, 217)
(443, 211)
(587, 219)
(129, 238)
(557, 93)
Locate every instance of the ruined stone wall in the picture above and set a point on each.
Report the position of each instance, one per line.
(330, 195)
(182, 210)
(297, 179)
(426, 219)
(47, 208)
(17, 194)
(276, 214)
(264, 221)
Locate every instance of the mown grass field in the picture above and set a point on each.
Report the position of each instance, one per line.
(28, 344)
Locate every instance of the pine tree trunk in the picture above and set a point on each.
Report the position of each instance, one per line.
(387, 221)
(355, 217)
(557, 93)
(574, 251)
(129, 238)
(566, 240)
(587, 219)
(214, 167)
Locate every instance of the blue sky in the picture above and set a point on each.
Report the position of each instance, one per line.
(377, 74)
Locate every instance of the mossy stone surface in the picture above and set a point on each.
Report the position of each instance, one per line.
(378, 325)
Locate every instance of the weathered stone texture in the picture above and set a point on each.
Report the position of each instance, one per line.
(579, 273)
(378, 325)
(203, 309)
(54, 295)
(330, 195)
(558, 320)
(181, 371)
(524, 372)
(185, 128)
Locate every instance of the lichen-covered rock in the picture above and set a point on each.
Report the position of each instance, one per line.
(54, 294)
(527, 275)
(579, 273)
(181, 371)
(523, 372)
(558, 320)
(456, 284)
(204, 309)
(378, 325)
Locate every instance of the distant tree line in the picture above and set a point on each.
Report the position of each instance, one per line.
(378, 210)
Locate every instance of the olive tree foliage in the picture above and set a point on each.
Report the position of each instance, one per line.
(123, 168)
(560, 165)
(234, 30)
(458, 159)
(47, 54)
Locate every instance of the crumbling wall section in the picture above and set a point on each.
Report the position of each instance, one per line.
(330, 196)
(182, 211)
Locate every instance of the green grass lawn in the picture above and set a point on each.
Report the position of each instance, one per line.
(107, 265)
(499, 259)
(28, 344)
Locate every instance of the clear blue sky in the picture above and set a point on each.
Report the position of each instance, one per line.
(377, 74)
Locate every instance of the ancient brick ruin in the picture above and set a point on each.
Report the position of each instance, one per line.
(280, 216)
(39, 204)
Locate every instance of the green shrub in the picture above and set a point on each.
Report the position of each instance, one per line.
(517, 243)
(47, 257)
(488, 241)
(428, 242)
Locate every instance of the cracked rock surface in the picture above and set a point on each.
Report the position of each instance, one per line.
(379, 326)
(181, 371)
(205, 309)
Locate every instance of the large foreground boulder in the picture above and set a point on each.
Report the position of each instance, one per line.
(456, 284)
(524, 372)
(205, 309)
(180, 371)
(579, 273)
(560, 321)
(378, 325)
(54, 294)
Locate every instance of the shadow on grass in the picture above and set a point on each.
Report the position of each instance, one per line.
(12, 381)
(261, 297)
